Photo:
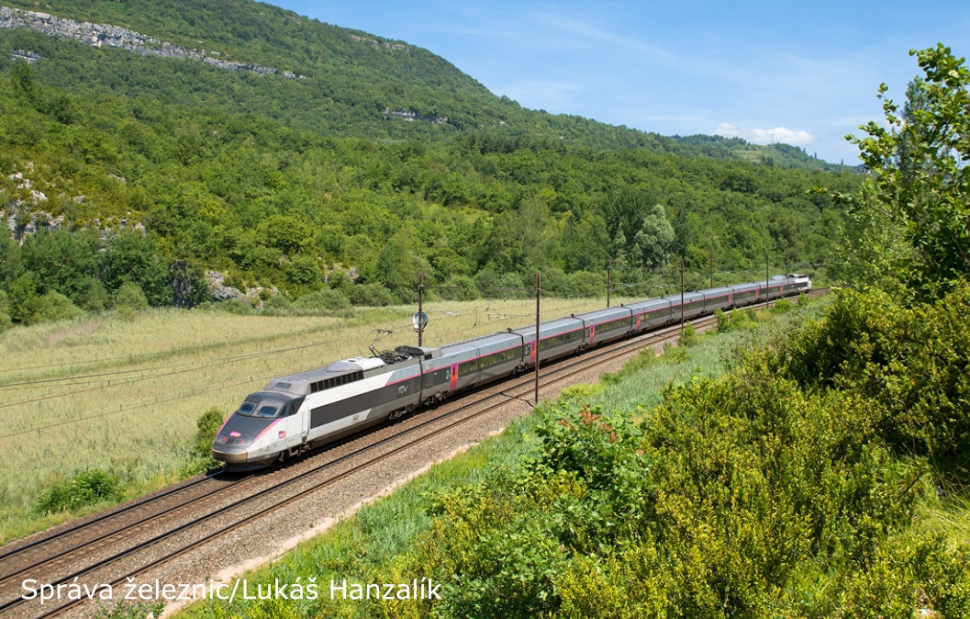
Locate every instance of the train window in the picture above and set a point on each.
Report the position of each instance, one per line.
(496, 358)
(467, 367)
(612, 326)
(336, 381)
(246, 408)
(267, 411)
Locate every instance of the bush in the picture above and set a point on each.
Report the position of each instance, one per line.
(92, 296)
(85, 488)
(781, 306)
(236, 305)
(207, 425)
(276, 303)
(326, 299)
(55, 306)
(689, 337)
(130, 295)
(461, 288)
(910, 363)
(587, 283)
(723, 321)
(372, 295)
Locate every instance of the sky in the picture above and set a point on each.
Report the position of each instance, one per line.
(801, 73)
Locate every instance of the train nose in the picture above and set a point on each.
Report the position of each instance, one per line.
(230, 455)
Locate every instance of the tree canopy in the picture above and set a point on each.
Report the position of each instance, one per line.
(912, 216)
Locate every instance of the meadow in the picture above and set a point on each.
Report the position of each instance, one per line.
(123, 396)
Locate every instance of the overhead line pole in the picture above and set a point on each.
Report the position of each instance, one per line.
(538, 289)
(609, 280)
(681, 296)
(767, 290)
(420, 309)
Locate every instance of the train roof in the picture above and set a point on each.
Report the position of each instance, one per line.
(607, 314)
(647, 304)
(550, 327)
(305, 383)
(484, 341)
(689, 297)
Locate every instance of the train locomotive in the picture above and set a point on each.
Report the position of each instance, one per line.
(296, 413)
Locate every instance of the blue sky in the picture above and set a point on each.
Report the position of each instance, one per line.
(801, 73)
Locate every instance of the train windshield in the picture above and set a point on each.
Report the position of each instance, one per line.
(263, 407)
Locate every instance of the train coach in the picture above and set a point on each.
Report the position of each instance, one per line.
(295, 413)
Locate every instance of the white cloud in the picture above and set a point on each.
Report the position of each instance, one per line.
(795, 137)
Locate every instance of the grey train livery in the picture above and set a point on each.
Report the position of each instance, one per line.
(293, 414)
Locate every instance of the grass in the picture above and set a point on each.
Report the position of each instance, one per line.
(122, 396)
(367, 547)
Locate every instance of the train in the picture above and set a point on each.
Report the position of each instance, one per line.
(302, 411)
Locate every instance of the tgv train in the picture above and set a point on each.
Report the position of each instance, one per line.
(293, 414)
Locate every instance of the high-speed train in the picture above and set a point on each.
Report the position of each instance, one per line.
(295, 413)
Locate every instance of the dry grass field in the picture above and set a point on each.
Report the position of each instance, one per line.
(123, 396)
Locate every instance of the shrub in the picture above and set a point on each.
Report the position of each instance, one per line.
(372, 295)
(911, 363)
(236, 305)
(55, 306)
(207, 425)
(92, 296)
(461, 288)
(689, 337)
(781, 306)
(130, 295)
(326, 299)
(276, 303)
(724, 323)
(85, 488)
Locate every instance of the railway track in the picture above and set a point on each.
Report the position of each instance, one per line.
(117, 547)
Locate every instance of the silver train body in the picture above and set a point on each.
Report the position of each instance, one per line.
(299, 412)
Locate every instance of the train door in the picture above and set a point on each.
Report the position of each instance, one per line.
(304, 420)
(291, 430)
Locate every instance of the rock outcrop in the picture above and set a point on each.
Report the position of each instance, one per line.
(106, 35)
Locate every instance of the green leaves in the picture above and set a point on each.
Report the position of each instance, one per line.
(919, 183)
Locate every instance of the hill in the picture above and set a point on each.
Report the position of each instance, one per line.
(344, 82)
(240, 139)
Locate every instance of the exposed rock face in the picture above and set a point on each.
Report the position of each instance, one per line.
(221, 292)
(411, 116)
(99, 35)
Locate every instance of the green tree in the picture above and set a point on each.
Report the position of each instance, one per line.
(919, 177)
(655, 239)
(22, 79)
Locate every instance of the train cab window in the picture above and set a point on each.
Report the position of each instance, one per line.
(267, 411)
(246, 408)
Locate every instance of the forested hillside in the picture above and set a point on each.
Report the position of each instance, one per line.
(316, 181)
(351, 83)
